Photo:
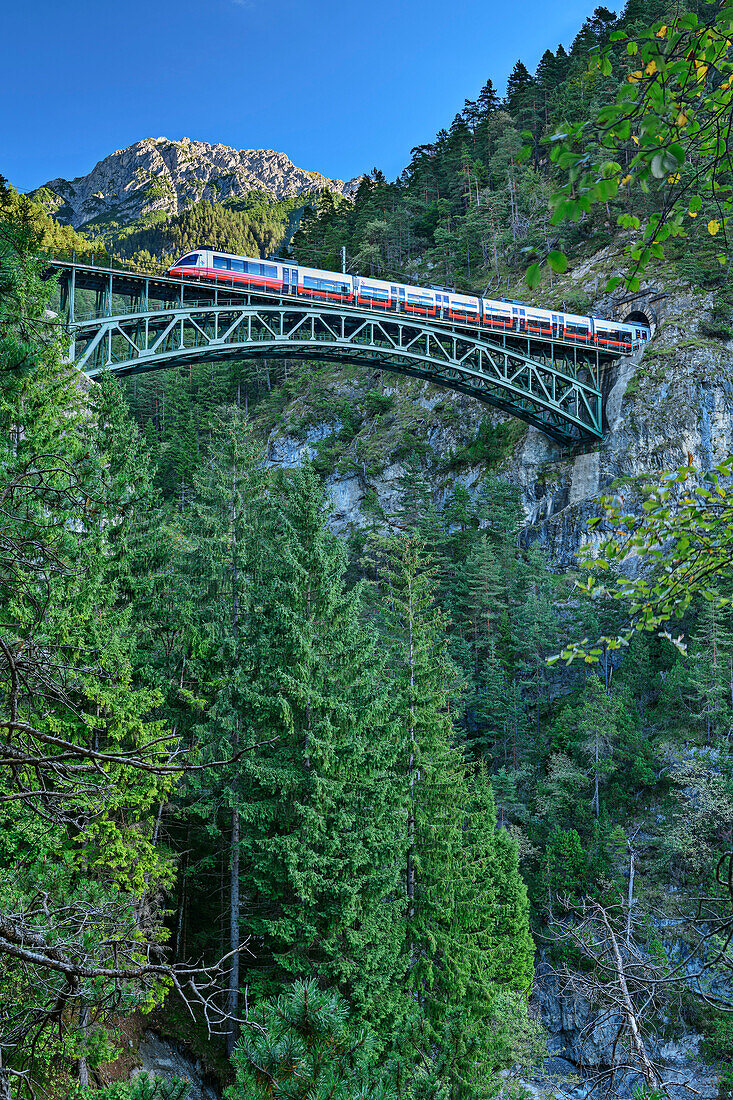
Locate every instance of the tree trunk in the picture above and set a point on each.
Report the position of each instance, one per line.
(83, 1066)
(596, 799)
(648, 1071)
(631, 894)
(411, 773)
(234, 908)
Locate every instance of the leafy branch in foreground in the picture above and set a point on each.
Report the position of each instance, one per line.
(667, 130)
(682, 543)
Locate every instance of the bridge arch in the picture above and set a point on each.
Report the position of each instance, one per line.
(555, 388)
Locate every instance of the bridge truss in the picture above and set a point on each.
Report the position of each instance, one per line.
(136, 322)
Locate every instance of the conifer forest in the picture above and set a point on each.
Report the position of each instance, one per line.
(356, 743)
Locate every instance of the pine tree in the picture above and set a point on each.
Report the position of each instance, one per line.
(306, 1051)
(711, 671)
(488, 99)
(513, 955)
(492, 705)
(519, 89)
(420, 676)
(535, 633)
(221, 551)
(143, 1086)
(597, 727)
(567, 866)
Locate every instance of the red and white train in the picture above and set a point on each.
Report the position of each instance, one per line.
(286, 277)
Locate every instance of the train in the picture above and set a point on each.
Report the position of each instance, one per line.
(442, 303)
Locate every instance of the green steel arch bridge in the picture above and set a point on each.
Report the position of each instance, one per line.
(129, 321)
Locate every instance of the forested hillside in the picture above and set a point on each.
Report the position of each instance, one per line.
(252, 226)
(294, 772)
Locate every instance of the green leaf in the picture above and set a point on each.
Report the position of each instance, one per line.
(558, 261)
(533, 276)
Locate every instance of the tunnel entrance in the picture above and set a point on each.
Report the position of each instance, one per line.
(640, 316)
(639, 309)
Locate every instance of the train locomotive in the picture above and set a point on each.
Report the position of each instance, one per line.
(440, 303)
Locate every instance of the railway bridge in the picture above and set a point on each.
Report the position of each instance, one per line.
(128, 321)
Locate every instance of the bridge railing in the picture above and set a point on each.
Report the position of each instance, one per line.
(102, 260)
(82, 316)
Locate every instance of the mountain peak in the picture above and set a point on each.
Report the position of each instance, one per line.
(160, 174)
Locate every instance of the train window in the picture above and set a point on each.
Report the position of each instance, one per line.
(261, 269)
(237, 265)
(222, 262)
(374, 292)
(188, 261)
(319, 284)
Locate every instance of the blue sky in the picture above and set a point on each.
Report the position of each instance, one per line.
(339, 86)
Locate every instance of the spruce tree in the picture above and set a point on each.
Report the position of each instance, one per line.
(323, 817)
(488, 98)
(711, 671)
(222, 544)
(458, 900)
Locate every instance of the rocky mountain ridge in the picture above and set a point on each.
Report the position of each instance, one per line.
(157, 174)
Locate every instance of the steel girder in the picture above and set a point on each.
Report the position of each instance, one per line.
(553, 386)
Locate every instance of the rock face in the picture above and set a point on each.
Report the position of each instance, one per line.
(583, 1043)
(159, 174)
(162, 1058)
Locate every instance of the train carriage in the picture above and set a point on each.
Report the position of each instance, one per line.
(441, 303)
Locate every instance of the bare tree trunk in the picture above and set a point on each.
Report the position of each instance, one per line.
(234, 908)
(648, 1071)
(5, 1090)
(631, 895)
(234, 895)
(596, 798)
(83, 1066)
(632, 874)
(180, 947)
